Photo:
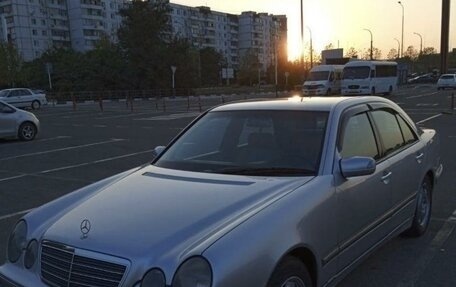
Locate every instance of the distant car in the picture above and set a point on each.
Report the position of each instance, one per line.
(423, 79)
(23, 98)
(446, 81)
(291, 192)
(16, 123)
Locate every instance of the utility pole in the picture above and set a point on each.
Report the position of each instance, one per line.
(302, 36)
(311, 48)
(372, 44)
(444, 38)
(402, 38)
(421, 42)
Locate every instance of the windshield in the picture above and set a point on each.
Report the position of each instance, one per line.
(356, 73)
(4, 93)
(319, 76)
(268, 143)
(447, 77)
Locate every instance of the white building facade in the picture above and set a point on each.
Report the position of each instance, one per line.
(232, 35)
(35, 26)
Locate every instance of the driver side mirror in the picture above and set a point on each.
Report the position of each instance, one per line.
(158, 150)
(357, 166)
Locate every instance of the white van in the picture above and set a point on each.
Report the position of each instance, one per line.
(369, 78)
(323, 80)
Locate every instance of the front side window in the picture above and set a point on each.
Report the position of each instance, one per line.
(389, 130)
(319, 76)
(353, 73)
(268, 143)
(358, 138)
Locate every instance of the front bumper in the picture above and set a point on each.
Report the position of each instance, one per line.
(22, 277)
(317, 92)
(346, 92)
(5, 282)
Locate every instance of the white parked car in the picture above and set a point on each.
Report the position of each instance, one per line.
(16, 123)
(23, 98)
(446, 81)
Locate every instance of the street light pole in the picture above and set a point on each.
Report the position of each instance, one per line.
(302, 36)
(402, 38)
(372, 46)
(398, 47)
(173, 69)
(311, 47)
(421, 42)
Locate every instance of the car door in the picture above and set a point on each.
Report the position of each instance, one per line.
(363, 201)
(26, 97)
(7, 121)
(405, 154)
(14, 98)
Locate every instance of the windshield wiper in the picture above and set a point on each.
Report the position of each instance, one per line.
(271, 171)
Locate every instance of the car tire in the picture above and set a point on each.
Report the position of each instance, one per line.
(328, 92)
(290, 272)
(36, 105)
(27, 131)
(373, 91)
(423, 210)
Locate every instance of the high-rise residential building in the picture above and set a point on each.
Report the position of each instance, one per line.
(232, 35)
(34, 26)
(92, 19)
(205, 28)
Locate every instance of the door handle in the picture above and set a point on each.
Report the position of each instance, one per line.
(386, 177)
(419, 158)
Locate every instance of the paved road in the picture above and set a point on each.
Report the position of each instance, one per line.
(77, 147)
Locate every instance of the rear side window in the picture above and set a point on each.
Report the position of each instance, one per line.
(358, 138)
(409, 135)
(389, 130)
(448, 77)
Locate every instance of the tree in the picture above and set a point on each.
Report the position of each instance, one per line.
(10, 65)
(329, 46)
(411, 53)
(211, 64)
(351, 53)
(106, 66)
(248, 68)
(392, 54)
(376, 55)
(429, 51)
(143, 37)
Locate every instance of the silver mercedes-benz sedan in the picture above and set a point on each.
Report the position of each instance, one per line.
(256, 194)
(16, 123)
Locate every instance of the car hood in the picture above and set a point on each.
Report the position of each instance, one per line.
(166, 213)
(313, 83)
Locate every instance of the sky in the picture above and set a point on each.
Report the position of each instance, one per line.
(341, 22)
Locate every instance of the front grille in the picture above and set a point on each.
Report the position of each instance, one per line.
(62, 266)
(353, 87)
(312, 87)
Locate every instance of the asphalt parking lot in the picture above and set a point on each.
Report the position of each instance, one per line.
(79, 146)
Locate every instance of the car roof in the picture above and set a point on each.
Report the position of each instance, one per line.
(299, 103)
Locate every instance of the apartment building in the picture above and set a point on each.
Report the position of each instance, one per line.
(232, 35)
(92, 19)
(34, 26)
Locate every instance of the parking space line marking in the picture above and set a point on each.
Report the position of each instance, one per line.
(413, 274)
(428, 119)
(422, 95)
(3, 217)
(94, 162)
(126, 116)
(61, 149)
(12, 177)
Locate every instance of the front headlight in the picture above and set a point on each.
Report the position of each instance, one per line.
(195, 272)
(153, 278)
(17, 241)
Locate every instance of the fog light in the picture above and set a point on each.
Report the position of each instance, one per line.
(31, 254)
